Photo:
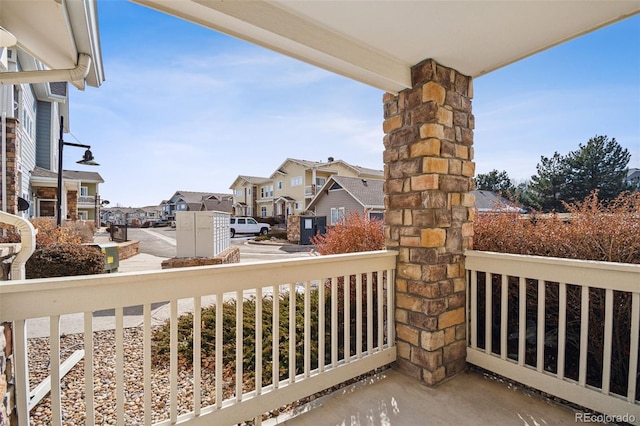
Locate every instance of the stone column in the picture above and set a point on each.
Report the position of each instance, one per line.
(11, 164)
(429, 213)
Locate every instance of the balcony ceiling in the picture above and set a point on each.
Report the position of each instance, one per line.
(54, 32)
(377, 42)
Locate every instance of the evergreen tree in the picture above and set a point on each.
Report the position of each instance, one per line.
(548, 187)
(495, 181)
(600, 165)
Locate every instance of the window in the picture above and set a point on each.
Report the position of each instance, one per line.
(242, 221)
(238, 192)
(296, 181)
(375, 215)
(337, 215)
(320, 181)
(297, 205)
(263, 191)
(83, 215)
(46, 208)
(84, 191)
(279, 184)
(263, 211)
(251, 221)
(270, 190)
(248, 191)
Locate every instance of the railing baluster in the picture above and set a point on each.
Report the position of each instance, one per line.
(380, 312)
(292, 333)
(359, 316)
(146, 362)
(347, 318)
(540, 328)
(473, 321)
(307, 328)
(522, 320)
(608, 331)
(334, 322)
(369, 313)
(21, 365)
(275, 352)
(633, 347)
(219, 349)
(584, 333)
(173, 363)
(88, 369)
(321, 325)
(54, 358)
(239, 344)
(488, 312)
(258, 351)
(562, 328)
(391, 329)
(197, 354)
(504, 297)
(119, 316)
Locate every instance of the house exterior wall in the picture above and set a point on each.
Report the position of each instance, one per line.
(428, 219)
(337, 198)
(26, 149)
(44, 147)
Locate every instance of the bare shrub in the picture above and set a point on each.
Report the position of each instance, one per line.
(355, 234)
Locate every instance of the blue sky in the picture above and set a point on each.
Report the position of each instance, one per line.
(186, 108)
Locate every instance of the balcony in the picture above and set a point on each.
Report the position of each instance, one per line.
(86, 200)
(345, 327)
(310, 191)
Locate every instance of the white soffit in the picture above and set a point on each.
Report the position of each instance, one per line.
(55, 31)
(377, 42)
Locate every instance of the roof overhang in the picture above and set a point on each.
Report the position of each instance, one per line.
(377, 42)
(58, 33)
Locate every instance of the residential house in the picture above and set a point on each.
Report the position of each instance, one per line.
(34, 95)
(80, 194)
(342, 195)
(488, 201)
(125, 215)
(633, 178)
(291, 187)
(245, 189)
(194, 201)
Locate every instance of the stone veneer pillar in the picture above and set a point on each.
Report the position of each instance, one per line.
(12, 170)
(429, 212)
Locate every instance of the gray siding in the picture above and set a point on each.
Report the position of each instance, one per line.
(337, 198)
(43, 135)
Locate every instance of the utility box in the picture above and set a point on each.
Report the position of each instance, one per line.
(198, 234)
(111, 256)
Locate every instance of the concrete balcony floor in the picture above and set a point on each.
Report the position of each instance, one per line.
(392, 398)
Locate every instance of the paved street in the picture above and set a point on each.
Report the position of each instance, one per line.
(161, 242)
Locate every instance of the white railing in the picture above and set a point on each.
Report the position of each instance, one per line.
(567, 327)
(87, 199)
(313, 353)
(309, 190)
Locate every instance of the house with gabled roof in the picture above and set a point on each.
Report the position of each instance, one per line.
(194, 201)
(291, 187)
(342, 195)
(80, 193)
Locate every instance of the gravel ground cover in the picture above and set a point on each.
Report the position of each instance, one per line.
(104, 384)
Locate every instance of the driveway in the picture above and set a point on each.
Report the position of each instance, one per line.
(161, 242)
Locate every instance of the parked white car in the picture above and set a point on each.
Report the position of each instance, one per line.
(248, 225)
